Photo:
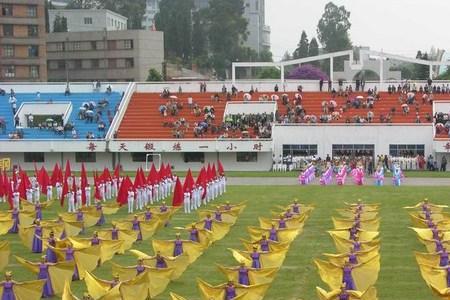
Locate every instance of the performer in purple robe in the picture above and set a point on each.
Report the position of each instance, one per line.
(50, 254)
(178, 246)
(273, 233)
(140, 268)
(439, 245)
(70, 256)
(163, 208)
(99, 208)
(347, 278)
(255, 256)
(61, 222)
(443, 262)
(114, 232)
(37, 238)
(208, 223)
(296, 207)
(148, 214)
(230, 291)
(243, 274)
(264, 244)
(356, 244)
(353, 231)
(448, 276)
(8, 284)
(227, 206)
(160, 261)
(193, 234)
(47, 292)
(288, 214)
(282, 223)
(343, 295)
(38, 210)
(218, 214)
(115, 281)
(352, 258)
(95, 240)
(137, 227)
(15, 218)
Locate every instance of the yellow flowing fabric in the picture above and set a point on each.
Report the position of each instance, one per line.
(166, 247)
(227, 216)
(218, 229)
(86, 259)
(98, 288)
(346, 213)
(252, 292)
(303, 208)
(174, 296)
(368, 225)
(26, 234)
(430, 259)
(67, 293)
(234, 207)
(5, 226)
(6, 215)
(256, 276)
(108, 248)
(427, 234)
(362, 256)
(29, 207)
(366, 206)
(5, 251)
(267, 259)
(431, 245)
(435, 276)
(432, 206)
(178, 264)
(164, 216)
(284, 235)
(59, 273)
(147, 229)
(204, 235)
(26, 218)
(435, 216)
(444, 294)
(70, 228)
(158, 279)
(364, 275)
(370, 294)
(89, 219)
(127, 236)
(28, 290)
(273, 246)
(364, 236)
(292, 223)
(344, 245)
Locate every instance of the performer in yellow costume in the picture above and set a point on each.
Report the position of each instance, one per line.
(232, 291)
(370, 294)
(260, 260)
(108, 248)
(13, 290)
(248, 276)
(177, 247)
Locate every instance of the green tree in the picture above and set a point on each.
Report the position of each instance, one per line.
(226, 33)
(175, 19)
(333, 31)
(421, 72)
(134, 10)
(60, 24)
(48, 5)
(154, 75)
(83, 4)
(265, 56)
(199, 39)
(269, 73)
(286, 56)
(314, 51)
(302, 47)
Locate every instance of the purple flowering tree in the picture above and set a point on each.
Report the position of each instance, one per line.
(307, 72)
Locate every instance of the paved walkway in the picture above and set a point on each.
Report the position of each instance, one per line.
(369, 181)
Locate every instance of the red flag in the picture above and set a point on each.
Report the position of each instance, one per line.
(44, 179)
(202, 180)
(169, 170)
(67, 170)
(65, 190)
(96, 183)
(188, 182)
(117, 172)
(178, 195)
(2, 186)
(153, 176)
(24, 184)
(220, 168)
(84, 183)
(55, 175)
(213, 171)
(106, 176)
(122, 197)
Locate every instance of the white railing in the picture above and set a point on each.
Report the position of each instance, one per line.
(124, 102)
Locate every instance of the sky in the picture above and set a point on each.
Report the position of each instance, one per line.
(394, 26)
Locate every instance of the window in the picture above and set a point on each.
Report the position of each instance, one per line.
(32, 11)
(128, 44)
(88, 21)
(246, 157)
(129, 63)
(8, 51)
(93, 45)
(7, 10)
(9, 71)
(33, 51)
(34, 71)
(353, 150)
(112, 63)
(8, 30)
(30, 157)
(406, 150)
(299, 150)
(194, 157)
(140, 157)
(33, 30)
(95, 63)
(76, 46)
(87, 157)
(59, 46)
(112, 45)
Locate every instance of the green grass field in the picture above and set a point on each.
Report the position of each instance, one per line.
(399, 278)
